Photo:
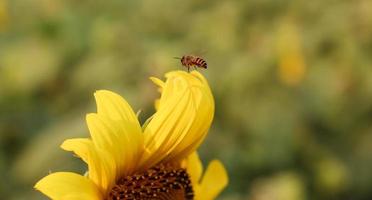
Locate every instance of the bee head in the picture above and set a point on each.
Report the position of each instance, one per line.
(181, 59)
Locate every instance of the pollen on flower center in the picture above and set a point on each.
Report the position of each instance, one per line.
(162, 182)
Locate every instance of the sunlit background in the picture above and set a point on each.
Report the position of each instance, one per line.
(292, 82)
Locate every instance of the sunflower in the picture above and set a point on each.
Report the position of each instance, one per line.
(155, 161)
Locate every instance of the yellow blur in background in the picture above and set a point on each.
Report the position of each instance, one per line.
(291, 63)
(292, 84)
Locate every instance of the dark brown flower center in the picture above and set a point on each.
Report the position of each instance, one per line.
(162, 182)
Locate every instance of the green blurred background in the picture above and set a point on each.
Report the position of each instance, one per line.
(292, 82)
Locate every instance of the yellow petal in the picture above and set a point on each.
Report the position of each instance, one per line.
(113, 106)
(67, 185)
(158, 82)
(185, 113)
(156, 104)
(214, 181)
(118, 138)
(194, 167)
(101, 164)
(80, 146)
(116, 123)
(161, 85)
(203, 101)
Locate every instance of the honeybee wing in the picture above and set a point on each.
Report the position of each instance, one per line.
(201, 53)
(198, 52)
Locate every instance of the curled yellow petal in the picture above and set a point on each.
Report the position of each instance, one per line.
(68, 186)
(184, 115)
(203, 108)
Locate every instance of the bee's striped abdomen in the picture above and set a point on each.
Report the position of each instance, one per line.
(199, 62)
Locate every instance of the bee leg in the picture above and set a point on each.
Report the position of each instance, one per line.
(195, 68)
(188, 68)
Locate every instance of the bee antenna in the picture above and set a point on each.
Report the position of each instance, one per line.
(177, 58)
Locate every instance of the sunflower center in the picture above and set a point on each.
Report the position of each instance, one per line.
(162, 182)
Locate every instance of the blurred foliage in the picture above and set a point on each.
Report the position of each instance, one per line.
(291, 79)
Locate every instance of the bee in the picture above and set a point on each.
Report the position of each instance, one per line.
(192, 61)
